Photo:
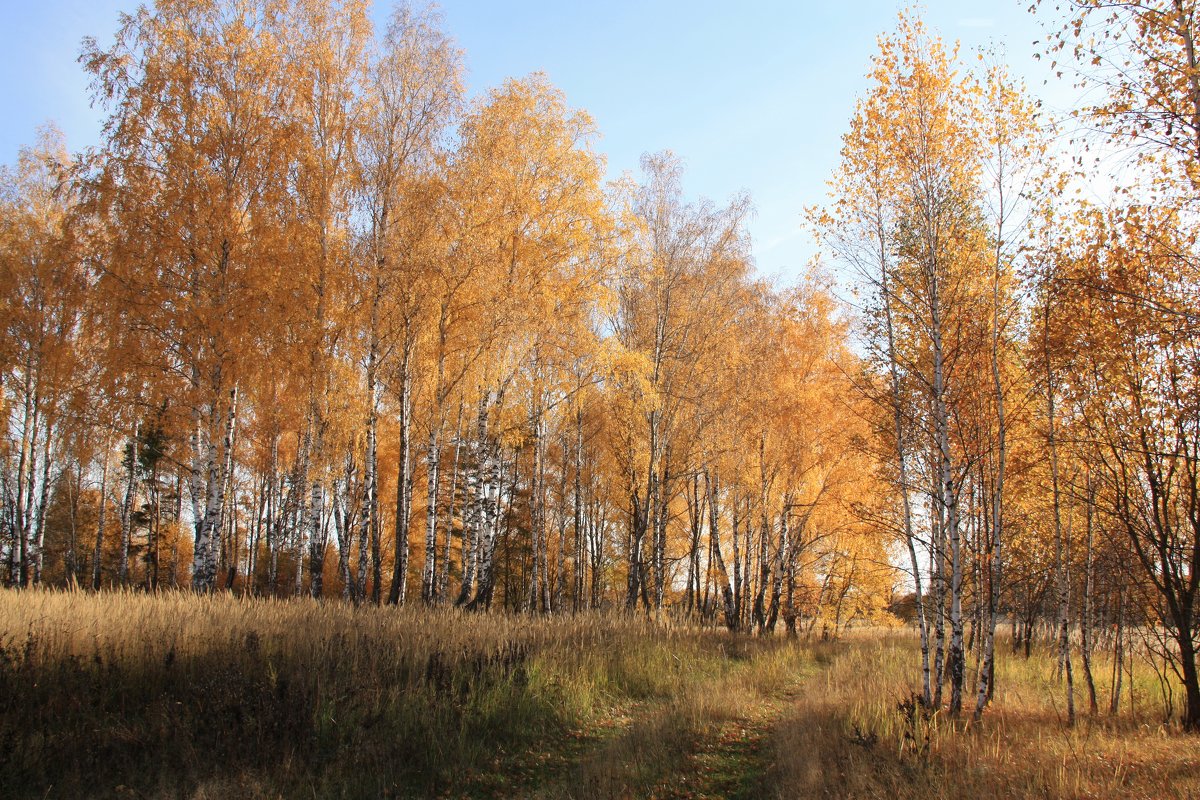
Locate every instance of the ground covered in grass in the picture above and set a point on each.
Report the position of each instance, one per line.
(851, 734)
(129, 695)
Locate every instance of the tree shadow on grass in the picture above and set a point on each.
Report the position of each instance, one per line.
(238, 720)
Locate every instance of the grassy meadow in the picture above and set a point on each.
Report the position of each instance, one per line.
(174, 695)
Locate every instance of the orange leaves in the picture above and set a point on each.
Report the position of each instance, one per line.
(317, 223)
(43, 287)
(1141, 57)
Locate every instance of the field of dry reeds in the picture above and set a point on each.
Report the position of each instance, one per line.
(855, 732)
(177, 695)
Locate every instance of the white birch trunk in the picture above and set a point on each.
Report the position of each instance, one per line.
(443, 577)
(39, 539)
(433, 458)
(399, 587)
(1060, 564)
(215, 460)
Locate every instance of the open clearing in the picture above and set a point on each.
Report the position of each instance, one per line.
(133, 695)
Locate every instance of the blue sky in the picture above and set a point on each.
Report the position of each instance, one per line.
(752, 96)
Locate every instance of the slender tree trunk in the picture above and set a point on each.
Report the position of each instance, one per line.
(74, 486)
(695, 512)
(659, 510)
(764, 569)
(369, 518)
(25, 472)
(302, 488)
(747, 554)
(233, 548)
(433, 461)
(1060, 564)
(475, 513)
(256, 531)
(737, 564)
(1114, 702)
(995, 548)
(795, 547)
(127, 506)
(433, 458)
(443, 580)
(778, 568)
(343, 530)
(98, 552)
(637, 532)
(398, 590)
(1085, 622)
(318, 542)
(902, 456)
(560, 576)
(39, 537)
(274, 517)
(225, 478)
(494, 491)
(597, 525)
(949, 491)
(712, 488)
(577, 502)
(152, 531)
(204, 561)
(938, 585)
(537, 510)
(178, 516)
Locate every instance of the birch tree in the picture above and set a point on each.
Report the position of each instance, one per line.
(414, 92)
(908, 214)
(190, 184)
(43, 291)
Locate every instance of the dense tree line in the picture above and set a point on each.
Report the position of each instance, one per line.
(310, 321)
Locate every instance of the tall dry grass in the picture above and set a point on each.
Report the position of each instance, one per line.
(175, 695)
(855, 733)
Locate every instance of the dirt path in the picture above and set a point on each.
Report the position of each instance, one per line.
(732, 764)
(736, 761)
(658, 750)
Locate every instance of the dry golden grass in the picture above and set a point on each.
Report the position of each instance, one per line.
(179, 695)
(134, 695)
(681, 743)
(847, 738)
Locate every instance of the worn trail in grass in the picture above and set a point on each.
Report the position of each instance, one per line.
(710, 737)
(735, 762)
(829, 720)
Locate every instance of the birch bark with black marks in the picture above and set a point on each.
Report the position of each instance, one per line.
(404, 480)
(127, 505)
(728, 596)
(1060, 563)
(212, 457)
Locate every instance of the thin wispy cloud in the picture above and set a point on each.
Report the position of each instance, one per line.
(774, 242)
